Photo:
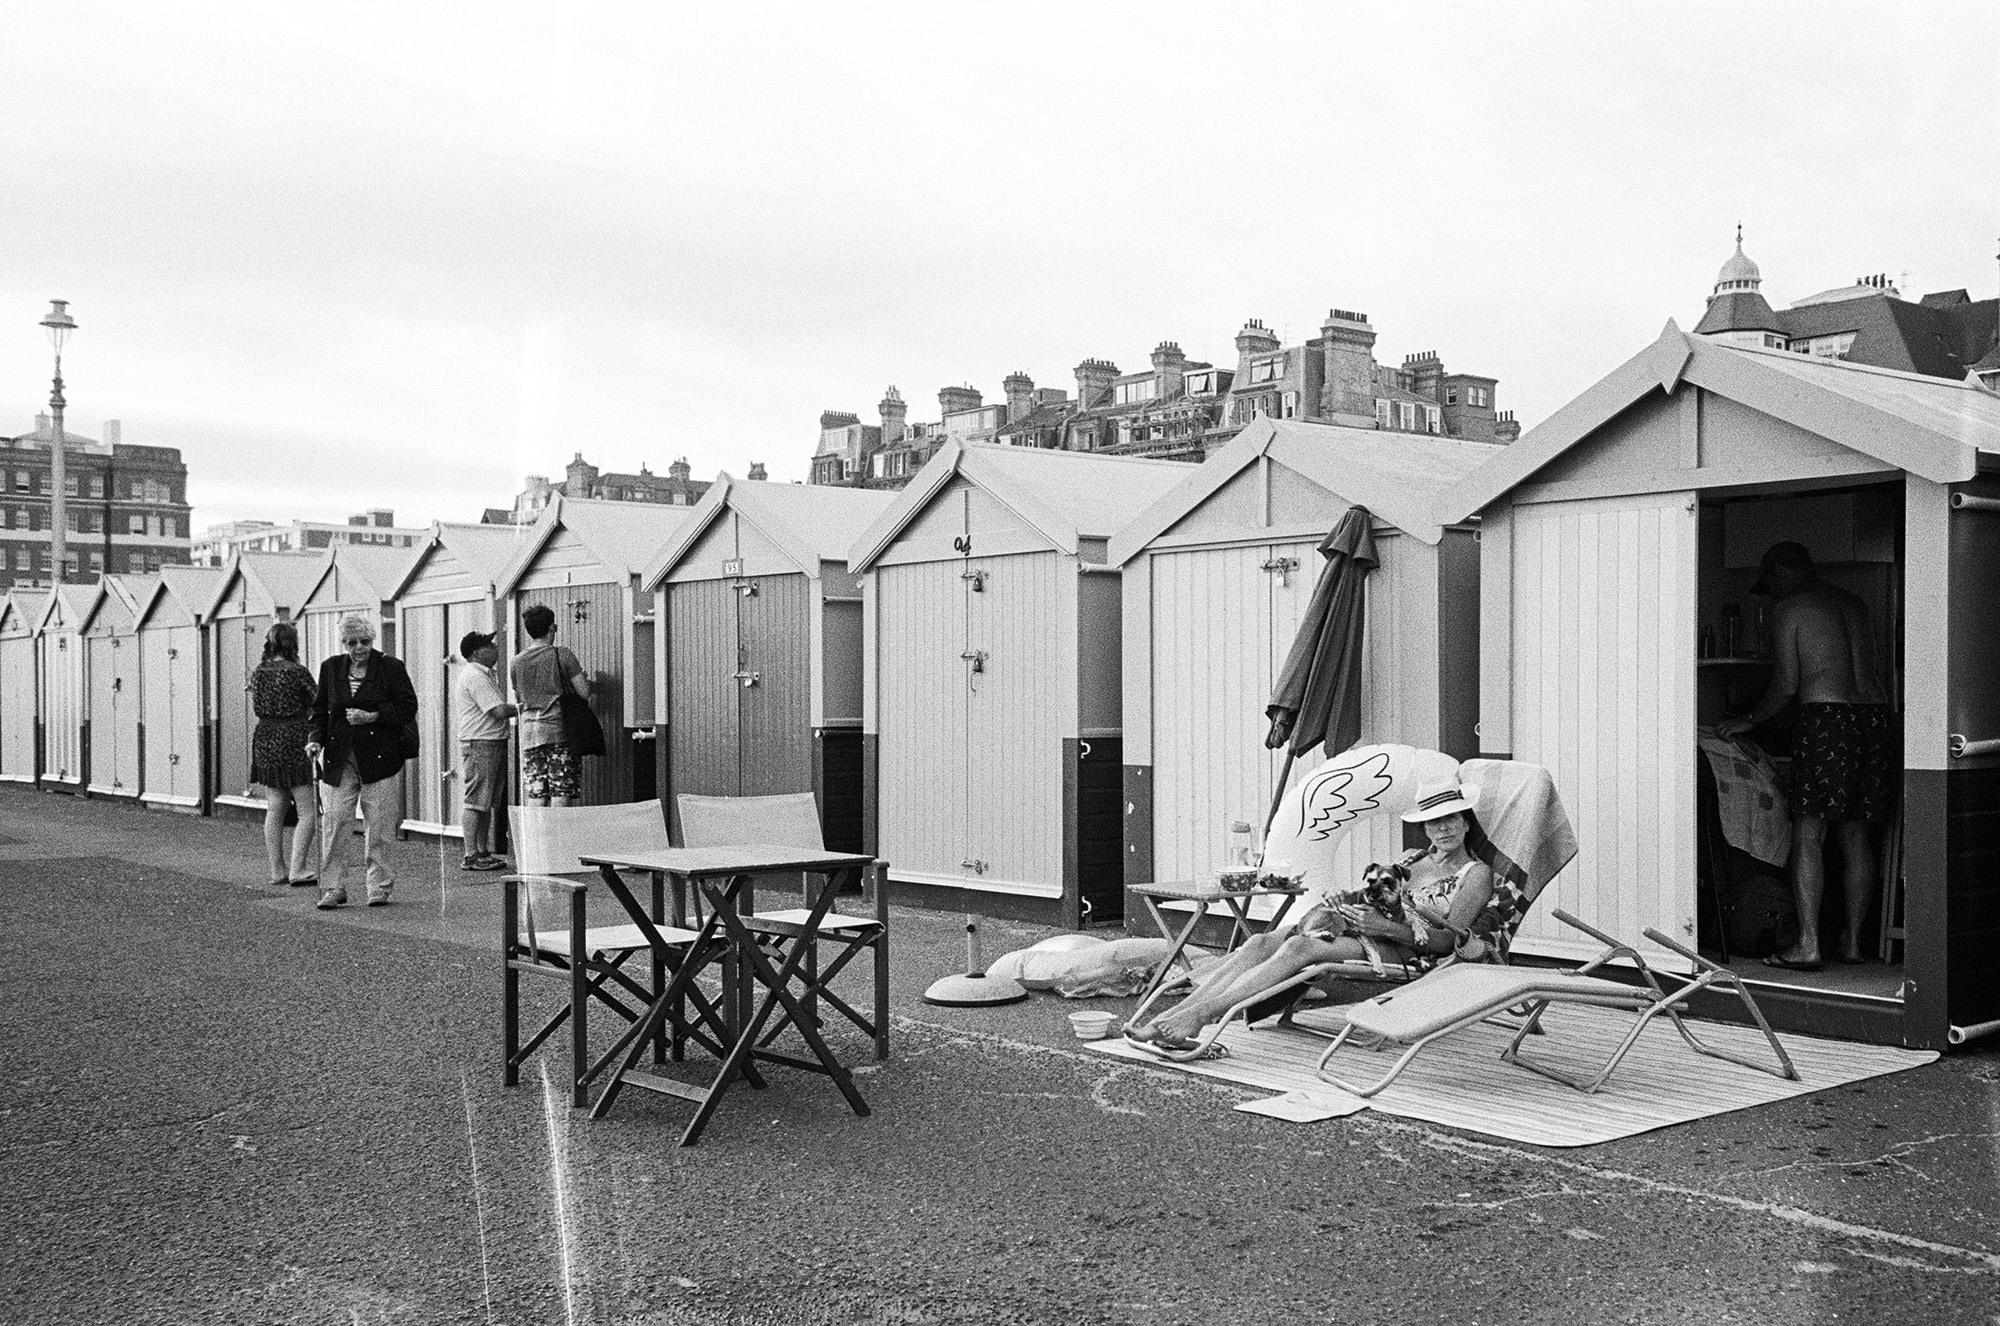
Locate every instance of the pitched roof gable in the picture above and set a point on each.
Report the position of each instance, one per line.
(1932, 427)
(622, 536)
(810, 523)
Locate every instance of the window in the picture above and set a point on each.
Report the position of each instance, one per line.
(1408, 413)
(1382, 414)
(1431, 419)
(1478, 396)
(69, 485)
(97, 563)
(1130, 393)
(20, 559)
(1451, 395)
(97, 485)
(21, 481)
(1289, 406)
(1267, 370)
(1200, 384)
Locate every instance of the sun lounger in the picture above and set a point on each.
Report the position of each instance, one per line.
(1453, 998)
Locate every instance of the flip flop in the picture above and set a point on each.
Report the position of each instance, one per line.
(1788, 964)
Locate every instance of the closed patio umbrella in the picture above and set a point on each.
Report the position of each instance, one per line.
(1317, 698)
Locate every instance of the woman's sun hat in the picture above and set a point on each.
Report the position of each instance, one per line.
(1439, 799)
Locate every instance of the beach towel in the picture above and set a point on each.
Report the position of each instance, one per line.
(1749, 800)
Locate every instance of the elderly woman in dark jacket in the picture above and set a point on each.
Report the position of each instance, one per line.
(359, 712)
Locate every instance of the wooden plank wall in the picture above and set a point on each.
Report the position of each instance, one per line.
(169, 669)
(702, 707)
(920, 703)
(774, 744)
(61, 706)
(425, 797)
(18, 691)
(1016, 721)
(1603, 695)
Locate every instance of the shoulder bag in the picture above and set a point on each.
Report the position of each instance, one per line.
(582, 732)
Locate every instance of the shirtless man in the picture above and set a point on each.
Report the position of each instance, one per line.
(1843, 754)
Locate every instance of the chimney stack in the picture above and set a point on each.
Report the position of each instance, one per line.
(579, 476)
(756, 474)
(680, 470)
(894, 413)
(1348, 344)
(953, 399)
(1093, 382)
(836, 419)
(1168, 361)
(1020, 389)
(113, 432)
(1255, 339)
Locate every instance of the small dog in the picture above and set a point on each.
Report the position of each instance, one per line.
(1382, 889)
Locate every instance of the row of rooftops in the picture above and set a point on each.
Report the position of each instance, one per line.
(1109, 508)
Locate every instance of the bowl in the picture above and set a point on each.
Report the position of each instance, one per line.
(1237, 881)
(1090, 1024)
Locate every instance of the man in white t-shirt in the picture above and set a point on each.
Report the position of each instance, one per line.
(482, 712)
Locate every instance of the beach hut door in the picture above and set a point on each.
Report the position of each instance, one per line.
(1602, 678)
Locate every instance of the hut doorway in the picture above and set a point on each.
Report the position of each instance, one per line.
(1747, 903)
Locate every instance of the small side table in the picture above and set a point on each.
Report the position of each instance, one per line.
(1203, 895)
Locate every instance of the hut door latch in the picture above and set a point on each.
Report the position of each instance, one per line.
(976, 657)
(976, 867)
(978, 579)
(1284, 566)
(747, 679)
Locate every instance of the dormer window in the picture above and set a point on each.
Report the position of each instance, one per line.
(1267, 370)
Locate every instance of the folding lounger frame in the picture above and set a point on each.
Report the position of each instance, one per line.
(1426, 1010)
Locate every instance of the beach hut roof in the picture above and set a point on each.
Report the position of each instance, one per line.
(194, 586)
(809, 523)
(26, 606)
(1067, 496)
(73, 601)
(486, 550)
(622, 536)
(1397, 476)
(1936, 428)
(360, 573)
(283, 577)
(122, 592)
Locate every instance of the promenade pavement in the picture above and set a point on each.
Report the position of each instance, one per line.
(219, 1105)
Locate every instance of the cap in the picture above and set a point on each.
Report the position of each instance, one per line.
(473, 642)
(1777, 555)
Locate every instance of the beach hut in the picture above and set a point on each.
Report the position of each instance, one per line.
(583, 560)
(445, 591)
(355, 580)
(257, 589)
(1619, 543)
(758, 656)
(60, 699)
(20, 738)
(1217, 575)
(173, 684)
(991, 709)
(112, 683)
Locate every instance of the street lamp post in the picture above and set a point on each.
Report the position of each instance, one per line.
(60, 324)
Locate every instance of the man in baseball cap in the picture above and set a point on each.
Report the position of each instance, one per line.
(482, 712)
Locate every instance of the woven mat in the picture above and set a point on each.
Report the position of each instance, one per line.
(1460, 1081)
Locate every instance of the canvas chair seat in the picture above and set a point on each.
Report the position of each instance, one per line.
(545, 925)
(792, 820)
(1451, 999)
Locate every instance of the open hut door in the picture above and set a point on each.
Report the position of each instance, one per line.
(1602, 676)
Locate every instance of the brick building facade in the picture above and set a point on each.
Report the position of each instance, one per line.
(582, 479)
(126, 505)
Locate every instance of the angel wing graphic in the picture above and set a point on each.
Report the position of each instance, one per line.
(1334, 798)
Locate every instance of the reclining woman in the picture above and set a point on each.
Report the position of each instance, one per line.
(1446, 880)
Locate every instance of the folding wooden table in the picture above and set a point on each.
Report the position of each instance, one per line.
(1204, 895)
(721, 876)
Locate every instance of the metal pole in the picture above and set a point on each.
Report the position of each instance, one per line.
(58, 484)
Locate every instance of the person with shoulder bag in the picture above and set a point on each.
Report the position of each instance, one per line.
(557, 726)
(361, 709)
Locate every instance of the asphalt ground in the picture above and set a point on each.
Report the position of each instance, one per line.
(219, 1105)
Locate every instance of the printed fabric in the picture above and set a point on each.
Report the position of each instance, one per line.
(1843, 761)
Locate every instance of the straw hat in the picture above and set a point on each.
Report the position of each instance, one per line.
(1444, 797)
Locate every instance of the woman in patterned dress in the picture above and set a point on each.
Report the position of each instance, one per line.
(281, 693)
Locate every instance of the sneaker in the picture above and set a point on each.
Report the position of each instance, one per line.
(482, 861)
(378, 897)
(306, 882)
(331, 898)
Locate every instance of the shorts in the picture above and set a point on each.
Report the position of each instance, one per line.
(482, 773)
(550, 772)
(1844, 763)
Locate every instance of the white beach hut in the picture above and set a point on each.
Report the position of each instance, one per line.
(257, 589)
(991, 709)
(355, 580)
(446, 591)
(20, 734)
(1218, 573)
(173, 687)
(112, 684)
(60, 698)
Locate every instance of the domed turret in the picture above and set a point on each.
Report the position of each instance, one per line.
(1739, 273)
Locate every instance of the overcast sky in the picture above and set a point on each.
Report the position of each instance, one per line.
(403, 254)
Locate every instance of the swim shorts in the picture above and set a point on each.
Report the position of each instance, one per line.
(1843, 762)
(549, 772)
